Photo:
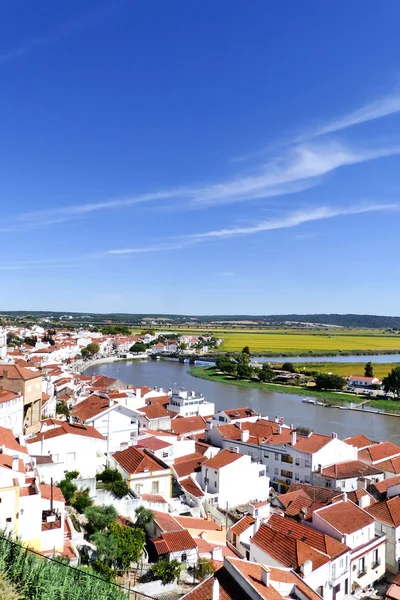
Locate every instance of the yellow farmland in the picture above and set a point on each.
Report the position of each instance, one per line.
(300, 343)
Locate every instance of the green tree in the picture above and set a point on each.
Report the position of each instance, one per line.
(106, 546)
(244, 371)
(138, 347)
(99, 518)
(266, 374)
(62, 408)
(84, 352)
(144, 517)
(204, 568)
(119, 488)
(92, 348)
(325, 381)
(391, 383)
(183, 346)
(166, 570)
(109, 475)
(369, 369)
(71, 475)
(288, 366)
(81, 501)
(246, 350)
(130, 544)
(68, 489)
(243, 358)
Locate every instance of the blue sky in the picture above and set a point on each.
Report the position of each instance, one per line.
(200, 157)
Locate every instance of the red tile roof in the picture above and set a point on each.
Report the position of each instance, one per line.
(191, 488)
(193, 523)
(228, 590)
(154, 411)
(133, 461)
(187, 425)
(359, 441)
(350, 469)
(166, 522)
(317, 540)
(8, 440)
(17, 372)
(175, 541)
(153, 443)
(240, 413)
(387, 511)
(391, 466)
(191, 463)
(345, 517)
(286, 550)
(91, 407)
(222, 459)
(153, 498)
(65, 429)
(241, 526)
(383, 486)
(5, 395)
(45, 491)
(312, 443)
(379, 452)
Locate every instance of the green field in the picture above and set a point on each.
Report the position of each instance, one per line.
(306, 343)
(346, 369)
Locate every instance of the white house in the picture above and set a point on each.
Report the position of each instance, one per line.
(358, 381)
(235, 415)
(347, 476)
(12, 411)
(387, 523)
(79, 447)
(355, 528)
(177, 545)
(143, 472)
(230, 478)
(188, 404)
(116, 422)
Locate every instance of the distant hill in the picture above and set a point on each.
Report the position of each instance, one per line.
(146, 320)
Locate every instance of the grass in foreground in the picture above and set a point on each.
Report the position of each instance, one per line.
(210, 374)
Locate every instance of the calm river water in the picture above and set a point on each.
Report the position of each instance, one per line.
(168, 374)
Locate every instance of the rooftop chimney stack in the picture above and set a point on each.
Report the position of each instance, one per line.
(15, 463)
(265, 575)
(215, 589)
(334, 435)
(344, 496)
(279, 428)
(293, 438)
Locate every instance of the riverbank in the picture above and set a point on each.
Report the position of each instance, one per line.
(81, 366)
(209, 373)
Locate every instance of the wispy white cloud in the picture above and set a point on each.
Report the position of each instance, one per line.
(59, 33)
(294, 219)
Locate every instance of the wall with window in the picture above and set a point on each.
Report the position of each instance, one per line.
(151, 482)
(392, 545)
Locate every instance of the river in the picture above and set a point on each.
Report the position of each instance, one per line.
(168, 374)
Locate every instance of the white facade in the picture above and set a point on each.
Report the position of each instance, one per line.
(118, 424)
(150, 482)
(188, 404)
(236, 483)
(12, 412)
(3, 344)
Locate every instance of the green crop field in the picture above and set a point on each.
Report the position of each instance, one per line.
(346, 369)
(293, 343)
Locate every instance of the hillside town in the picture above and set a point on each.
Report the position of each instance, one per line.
(272, 510)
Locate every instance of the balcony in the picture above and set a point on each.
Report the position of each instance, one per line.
(362, 573)
(376, 563)
(287, 459)
(287, 474)
(50, 520)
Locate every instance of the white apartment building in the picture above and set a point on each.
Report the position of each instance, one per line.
(348, 476)
(188, 404)
(387, 523)
(355, 528)
(12, 411)
(230, 478)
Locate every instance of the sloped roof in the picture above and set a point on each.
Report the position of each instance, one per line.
(174, 541)
(17, 372)
(191, 463)
(45, 491)
(379, 452)
(241, 526)
(153, 443)
(350, 469)
(345, 516)
(65, 429)
(133, 461)
(91, 407)
(153, 411)
(383, 486)
(191, 488)
(198, 523)
(222, 459)
(391, 466)
(186, 425)
(387, 511)
(359, 441)
(8, 440)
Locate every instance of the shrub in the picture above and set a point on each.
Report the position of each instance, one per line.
(68, 489)
(109, 475)
(119, 488)
(288, 366)
(81, 501)
(71, 475)
(99, 518)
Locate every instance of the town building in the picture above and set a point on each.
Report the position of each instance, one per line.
(143, 472)
(27, 382)
(187, 404)
(387, 523)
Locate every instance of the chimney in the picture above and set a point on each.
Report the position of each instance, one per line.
(215, 589)
(293, 438)
(93, 378)
(279, 428)
(208, 516)
(291, 426)
(364, 501)
(334, 435)
(15, 463)
(110, 402)
(138, 393)
(306, 568)
(276, 420)
(344, 496)
(265, 575)
(244, 435)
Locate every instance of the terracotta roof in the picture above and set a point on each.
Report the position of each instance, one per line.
(289, 497)
(222, 459)
(175, 541)
(153, 411)
(165, 521)
(191, 488)
(153, 498)
(361, 378)
(241, 526)
(193, 523)
(6, 463)
(356, 495)
(134, 461)
(317, 540)
(17, 372)
(8, 440)
(359, 441)
(239, 413)
(5, 395)
(186, 425)
(312, 443)
(164, 400)
(91, 407)
(65, 429)
(387, 511)
(153, 443)
(383, 486)
(350, 469)
(286, 550)
(45, 491)
(228, 588)
(185, 465)
(379, 452)
(201, 447)
(391, 466)
(345, 517)
(317, 494)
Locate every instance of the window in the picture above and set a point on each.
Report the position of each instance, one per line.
(261, 473)
(37, 386)
(70, 456)
(215, 472)
(154, 487)
(165, 454)
(341, 563)
(307, 463)
(361, 566)
(266, 468)
(307, 479)
(133, 420)
(184, 557)
(221, 419)
(276, 471)
(8, 520)
(296, 476)
(28, 388)
(375, 559)
(266, 455)
(343, 484)
(137, 488)
(287, 474)
(328, 483)
(287, 459)
(215, 484)
(297, 462)
(383, 528)
(276, 456)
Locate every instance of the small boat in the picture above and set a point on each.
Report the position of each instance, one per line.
(309, 401)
